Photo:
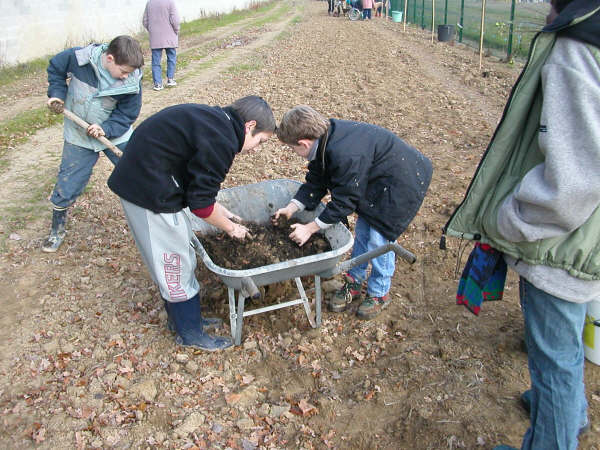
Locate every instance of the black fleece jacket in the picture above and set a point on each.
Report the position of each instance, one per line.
(178, 157)
(369, 170)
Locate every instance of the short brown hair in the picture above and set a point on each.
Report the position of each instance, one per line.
(301, 122)
(126, 51)
(255, 108)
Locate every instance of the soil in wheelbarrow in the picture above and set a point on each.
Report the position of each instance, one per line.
(269, 244)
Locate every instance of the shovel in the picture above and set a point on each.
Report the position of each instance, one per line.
(83, 124)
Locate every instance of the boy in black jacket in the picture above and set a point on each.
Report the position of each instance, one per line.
(175, 159)
(368, 170)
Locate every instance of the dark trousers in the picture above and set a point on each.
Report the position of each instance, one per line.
(330, 4)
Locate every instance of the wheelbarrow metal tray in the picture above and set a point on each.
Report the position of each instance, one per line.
(257, 203)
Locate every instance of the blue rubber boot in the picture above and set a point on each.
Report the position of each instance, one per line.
(188, 326)
(208, 323)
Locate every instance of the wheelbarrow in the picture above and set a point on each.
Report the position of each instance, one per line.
(257, 203)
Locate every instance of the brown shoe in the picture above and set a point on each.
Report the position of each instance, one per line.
(371, 306)
(350, 291)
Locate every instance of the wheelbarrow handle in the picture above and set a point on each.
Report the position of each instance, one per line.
(365, 257)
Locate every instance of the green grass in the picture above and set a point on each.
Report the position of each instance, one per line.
(17, 130)
(203, 25)
(12, 74)
(529, 18)
(244, 67)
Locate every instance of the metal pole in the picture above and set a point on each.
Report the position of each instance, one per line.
(415, 12)
(446, 13)
(462, 17)
(481, 31)
(423, 16)
(510, 31)
(404, 13)
(432, 18)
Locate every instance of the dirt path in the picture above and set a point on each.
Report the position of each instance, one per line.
(85, 357)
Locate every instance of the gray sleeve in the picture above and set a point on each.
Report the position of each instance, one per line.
(557, 196)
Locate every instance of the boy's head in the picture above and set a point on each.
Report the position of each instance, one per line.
(301, 123)
(258, 120)
(123, 56)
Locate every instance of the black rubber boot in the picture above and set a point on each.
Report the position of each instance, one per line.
(57, 233)
(208, 323)
(188, 326)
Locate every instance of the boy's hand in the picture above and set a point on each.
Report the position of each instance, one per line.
(288, 212)
(302, 233)
(95, 130)
(56, 105)
(239, 232)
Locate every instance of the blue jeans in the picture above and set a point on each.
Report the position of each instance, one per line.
(553, 334)
(367, 238)
(75, 171)
(367, 13)
(156, 61)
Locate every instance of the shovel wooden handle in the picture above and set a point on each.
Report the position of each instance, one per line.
(83, 124)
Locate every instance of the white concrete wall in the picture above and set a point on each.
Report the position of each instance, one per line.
(31, 29)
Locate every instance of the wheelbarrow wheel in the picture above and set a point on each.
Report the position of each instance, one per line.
(354, 14)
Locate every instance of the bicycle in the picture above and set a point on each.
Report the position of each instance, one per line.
(342, 7)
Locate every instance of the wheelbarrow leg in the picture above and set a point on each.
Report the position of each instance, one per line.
(240, 319)
(232, 314)
(305, 302)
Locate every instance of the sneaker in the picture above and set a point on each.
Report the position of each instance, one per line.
(171, 82)
(526, 404)
(350, 291)
(158, 87)
(53, 242)
(371, 306)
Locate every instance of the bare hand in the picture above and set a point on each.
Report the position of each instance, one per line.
(301, 233)
(287, 212)
(56, 105)
(239, 232)
(95, 130)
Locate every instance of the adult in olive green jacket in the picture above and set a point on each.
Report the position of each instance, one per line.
(536, 197)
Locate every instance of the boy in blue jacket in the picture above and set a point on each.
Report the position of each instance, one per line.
(104, 89)
(368, 170)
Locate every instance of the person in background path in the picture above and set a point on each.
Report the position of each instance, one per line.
(162, 21)
(175, 159)
(536, 198)
(367, 6)
(330, 6)
(105, 90)
(368, 170)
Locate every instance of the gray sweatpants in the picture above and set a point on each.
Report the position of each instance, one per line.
(164, 243)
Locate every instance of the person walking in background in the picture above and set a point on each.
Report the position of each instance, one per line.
(367, 6)
(162, 21)
(535, 198)
(104, 89)
(330, 6)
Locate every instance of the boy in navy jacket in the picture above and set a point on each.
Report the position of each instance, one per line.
(177, 159)
(104, 89)
(368, 170)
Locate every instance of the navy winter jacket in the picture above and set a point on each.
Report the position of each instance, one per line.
(369, 170)
(179, 157)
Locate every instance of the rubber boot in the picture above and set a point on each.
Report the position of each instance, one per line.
(57, 233)
(208, 323)
(188, 326)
